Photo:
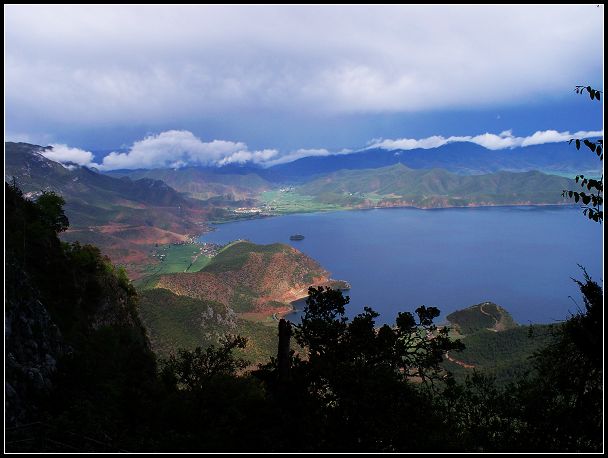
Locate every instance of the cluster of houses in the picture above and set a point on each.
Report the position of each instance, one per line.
(247, 210)
(264, 210)
(210, 249)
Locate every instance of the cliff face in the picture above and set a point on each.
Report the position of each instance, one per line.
(33, 345)
(59, 297)
(249, 277)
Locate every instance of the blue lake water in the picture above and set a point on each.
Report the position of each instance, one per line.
(521, 258)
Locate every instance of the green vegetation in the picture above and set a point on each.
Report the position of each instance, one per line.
(494, 344)
(172, 258)
(280, 203)
(481, 317)
(124, 218)
(177, 257)
(400, 185)
(353, 391)
(245, 276)
(235, 255)
(505, 355)
(204, 183)
(261, 338)
(194, 309)
(175, 322)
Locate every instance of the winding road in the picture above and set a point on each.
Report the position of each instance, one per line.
(491, 316)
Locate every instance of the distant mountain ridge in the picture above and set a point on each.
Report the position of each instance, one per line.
(120, 215)
(462, 158)
(204, 182)
(398, 185)
(34, 172)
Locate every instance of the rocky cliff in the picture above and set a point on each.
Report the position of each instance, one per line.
(60, 298)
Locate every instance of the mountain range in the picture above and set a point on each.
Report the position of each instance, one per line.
(205, 182)
(462, 158)
(128, 212)
(398, 185)
(121, 215)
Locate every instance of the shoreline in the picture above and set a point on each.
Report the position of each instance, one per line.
(292, 309)
(254, 217)
(280, 312)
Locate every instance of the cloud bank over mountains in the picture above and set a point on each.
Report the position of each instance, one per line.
(177, 148)
(65, 154)
(181, 148)
(503, 140)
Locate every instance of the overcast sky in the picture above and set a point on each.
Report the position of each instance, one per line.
(264, 83)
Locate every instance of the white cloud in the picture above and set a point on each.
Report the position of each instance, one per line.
(63, 154)
(257, 157)
(173, 148)
(553, 136)
(409, 143)
(303, 152)
(178, 148)
(505, 139)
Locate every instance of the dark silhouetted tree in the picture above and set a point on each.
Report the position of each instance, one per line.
(192, 370)
(352, 381)
(561, 407)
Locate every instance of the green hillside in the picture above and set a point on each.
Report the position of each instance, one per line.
(204, 183)
(175, 322)
(480, 317)
(399, 184)
(494, 343)
(235, 255)
(84, 186)
(248, 277)
(124, 217)
(504, 355)
(239, 291)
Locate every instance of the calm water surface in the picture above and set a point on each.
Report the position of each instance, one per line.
(522, 258)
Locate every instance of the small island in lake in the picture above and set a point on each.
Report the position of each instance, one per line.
(296, 237)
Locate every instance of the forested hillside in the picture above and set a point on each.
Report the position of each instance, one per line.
(399, 185)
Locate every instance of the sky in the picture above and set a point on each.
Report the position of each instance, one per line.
(156, 86)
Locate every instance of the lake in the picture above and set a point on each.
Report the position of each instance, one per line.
(521, 258)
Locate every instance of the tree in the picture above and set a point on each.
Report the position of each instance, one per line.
(414, 347)
(351, 386)
(593, 200)
(51, 206)
(563, 404)
(192, 370)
